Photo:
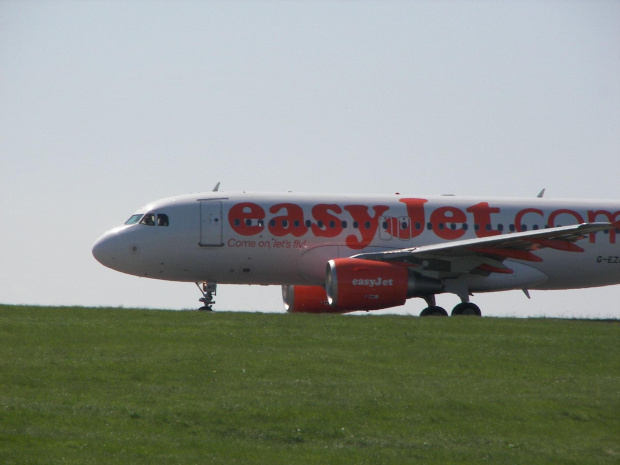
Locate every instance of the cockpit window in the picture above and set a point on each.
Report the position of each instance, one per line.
(149, 219)
(162, 220)
(134, 219)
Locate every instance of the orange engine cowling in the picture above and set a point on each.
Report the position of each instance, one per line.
(355, 284)
(306, 299)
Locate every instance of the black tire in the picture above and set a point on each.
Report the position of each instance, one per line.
(434, 311)
(466, 309)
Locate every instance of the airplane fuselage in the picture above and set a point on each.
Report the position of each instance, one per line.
(287, 239)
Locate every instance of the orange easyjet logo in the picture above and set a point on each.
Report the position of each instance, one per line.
(362, 222)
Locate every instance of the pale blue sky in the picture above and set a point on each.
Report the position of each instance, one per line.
(106, 106)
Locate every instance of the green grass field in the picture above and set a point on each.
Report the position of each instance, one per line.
(81, 386)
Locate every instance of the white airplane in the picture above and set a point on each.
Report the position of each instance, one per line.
(342, 253)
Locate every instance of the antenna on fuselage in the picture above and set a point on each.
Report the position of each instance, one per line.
(540, 194)
(217, 187)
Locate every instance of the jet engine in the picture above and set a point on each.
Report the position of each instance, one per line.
(356, 284)
(306, 299)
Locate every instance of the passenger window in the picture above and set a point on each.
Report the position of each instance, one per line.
(162, 220)
(149, 219)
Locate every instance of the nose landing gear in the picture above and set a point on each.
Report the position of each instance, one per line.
(208, 290)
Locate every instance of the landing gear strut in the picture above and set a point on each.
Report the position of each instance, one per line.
(208, 290)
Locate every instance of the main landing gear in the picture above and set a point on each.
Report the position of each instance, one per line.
(208, 290)
(464, 308)
(433, 309)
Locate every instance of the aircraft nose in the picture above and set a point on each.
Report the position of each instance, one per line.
(105, 249)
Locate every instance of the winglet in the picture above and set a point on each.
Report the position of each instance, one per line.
(217, 187)
(541, 193)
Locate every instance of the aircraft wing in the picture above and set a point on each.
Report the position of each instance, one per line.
(486, 255)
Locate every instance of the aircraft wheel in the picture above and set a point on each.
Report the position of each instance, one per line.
(466, 308)
(434, 311)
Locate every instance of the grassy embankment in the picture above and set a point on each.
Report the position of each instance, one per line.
(82, 386)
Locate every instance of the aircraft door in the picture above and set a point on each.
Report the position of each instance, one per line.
(387, 227)
(211, 223)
